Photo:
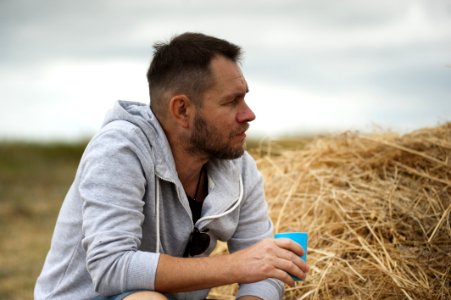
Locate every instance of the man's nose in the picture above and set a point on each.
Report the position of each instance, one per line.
(245, 114)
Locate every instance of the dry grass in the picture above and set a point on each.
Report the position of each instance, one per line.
(377, 209)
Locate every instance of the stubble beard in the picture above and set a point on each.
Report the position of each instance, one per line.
(206, 140)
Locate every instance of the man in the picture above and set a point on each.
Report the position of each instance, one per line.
(158, 186)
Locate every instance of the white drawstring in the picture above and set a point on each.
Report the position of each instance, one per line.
(229, 210)
(157, 207)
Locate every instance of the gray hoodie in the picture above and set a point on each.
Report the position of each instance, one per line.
(105, 238)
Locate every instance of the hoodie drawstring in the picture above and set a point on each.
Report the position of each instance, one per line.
(157, 208)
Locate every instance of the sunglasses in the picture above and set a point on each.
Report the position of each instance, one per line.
(198, 242)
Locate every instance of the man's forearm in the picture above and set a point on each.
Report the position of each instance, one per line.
(175, 274)
(269, 258)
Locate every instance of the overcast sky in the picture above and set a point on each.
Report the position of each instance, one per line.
(312, 66)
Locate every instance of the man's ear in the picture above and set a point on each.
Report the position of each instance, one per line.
(180, 109)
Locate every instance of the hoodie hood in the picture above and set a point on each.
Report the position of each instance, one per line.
(142, 116)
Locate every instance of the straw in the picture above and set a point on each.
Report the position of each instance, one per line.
(377, 209)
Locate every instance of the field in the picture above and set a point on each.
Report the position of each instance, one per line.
(373, 206)
(33, 182)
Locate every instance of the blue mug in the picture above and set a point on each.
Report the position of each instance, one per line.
(299, 237)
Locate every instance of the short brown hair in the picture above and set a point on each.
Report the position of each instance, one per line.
(183, 66)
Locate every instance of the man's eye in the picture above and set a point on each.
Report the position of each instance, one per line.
(235, 101)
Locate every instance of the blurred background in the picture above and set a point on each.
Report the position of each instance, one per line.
(313, 67)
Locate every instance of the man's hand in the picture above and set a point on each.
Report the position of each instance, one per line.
(270, 258)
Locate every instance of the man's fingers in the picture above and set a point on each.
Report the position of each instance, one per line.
(290, 251)
(294, 267)
(283, 276)
(290, 245)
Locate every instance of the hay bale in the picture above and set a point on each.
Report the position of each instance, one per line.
(377, 209)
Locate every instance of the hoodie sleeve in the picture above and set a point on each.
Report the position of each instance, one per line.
(254, 225)
(112, 188)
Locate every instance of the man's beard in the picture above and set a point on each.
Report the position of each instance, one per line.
(207, 140)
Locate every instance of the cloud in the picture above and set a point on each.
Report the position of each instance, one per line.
(343, 64)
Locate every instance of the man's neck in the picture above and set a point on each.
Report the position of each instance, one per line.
(189, 167)
(187, 164)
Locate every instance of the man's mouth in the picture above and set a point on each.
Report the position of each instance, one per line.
(244, 129)
(241, 132)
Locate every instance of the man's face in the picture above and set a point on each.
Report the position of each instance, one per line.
(220, 125)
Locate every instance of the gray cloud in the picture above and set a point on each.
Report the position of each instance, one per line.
(390, 55)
